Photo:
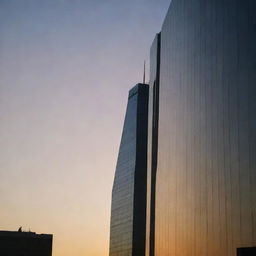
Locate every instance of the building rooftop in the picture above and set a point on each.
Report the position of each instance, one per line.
(22, 233)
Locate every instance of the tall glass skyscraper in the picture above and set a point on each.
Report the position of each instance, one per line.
(203, 185)
(128, 209)
(201, 155)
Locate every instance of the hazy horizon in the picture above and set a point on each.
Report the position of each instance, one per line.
(65, 71)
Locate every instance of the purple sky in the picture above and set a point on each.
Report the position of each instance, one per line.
(65, 70)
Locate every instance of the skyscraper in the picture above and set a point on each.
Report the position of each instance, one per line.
(128, 209)
(201, 157)
(203, 185)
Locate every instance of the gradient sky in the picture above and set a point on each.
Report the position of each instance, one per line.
(65, 70)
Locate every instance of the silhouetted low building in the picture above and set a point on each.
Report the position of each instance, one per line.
(18, 243)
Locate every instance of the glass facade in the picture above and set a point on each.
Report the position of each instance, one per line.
(205, 202)
(128, 209)
(152, 141)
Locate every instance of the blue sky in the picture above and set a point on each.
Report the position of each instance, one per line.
(65, 70)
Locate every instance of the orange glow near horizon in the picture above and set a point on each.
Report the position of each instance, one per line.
(65, 71)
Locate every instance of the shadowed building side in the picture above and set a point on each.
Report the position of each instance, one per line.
(128, 209)
(153, 109)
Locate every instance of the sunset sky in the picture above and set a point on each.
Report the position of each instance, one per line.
(65, 70)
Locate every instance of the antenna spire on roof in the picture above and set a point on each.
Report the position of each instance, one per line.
(144, 73)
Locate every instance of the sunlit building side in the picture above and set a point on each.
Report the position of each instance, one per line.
(205, 187)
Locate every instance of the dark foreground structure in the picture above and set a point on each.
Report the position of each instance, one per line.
(25, 244)
(128, 210)
(201, 171)
(246, 251)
